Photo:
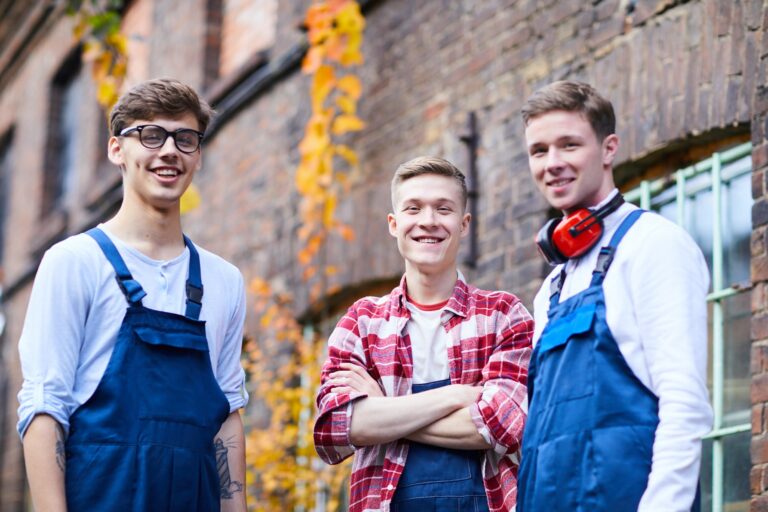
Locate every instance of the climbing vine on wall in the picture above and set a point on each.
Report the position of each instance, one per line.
(282, 359)
(283, 364)
(97, 26)
(335, 35)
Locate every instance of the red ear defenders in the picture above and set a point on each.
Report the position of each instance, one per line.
(564, 238)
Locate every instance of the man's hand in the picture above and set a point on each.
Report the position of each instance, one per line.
(354, 378)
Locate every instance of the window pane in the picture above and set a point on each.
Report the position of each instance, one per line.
(736, 472)
(5, 180)
(736, 399)
(70, 128)
(706, 475)
(737, 229)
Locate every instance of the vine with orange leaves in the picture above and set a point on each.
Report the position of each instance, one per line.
(282, 359)
(97, 26)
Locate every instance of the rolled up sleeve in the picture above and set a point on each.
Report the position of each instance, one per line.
(501, 411)
(51, 339)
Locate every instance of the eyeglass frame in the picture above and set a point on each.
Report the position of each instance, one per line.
(173, 135)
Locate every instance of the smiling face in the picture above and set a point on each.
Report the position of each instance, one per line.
(155, 177)
(429, 222)
(570, 166)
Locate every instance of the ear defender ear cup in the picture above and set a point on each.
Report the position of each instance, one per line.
(562, 239)
(546, 247)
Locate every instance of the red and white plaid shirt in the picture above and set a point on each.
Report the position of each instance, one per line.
(490, 345)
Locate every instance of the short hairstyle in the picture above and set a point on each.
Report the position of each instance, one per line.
(157, 98)
(573, 97)
(429, 165)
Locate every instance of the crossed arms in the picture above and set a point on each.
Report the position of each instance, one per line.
(439, 416)
(360, 408)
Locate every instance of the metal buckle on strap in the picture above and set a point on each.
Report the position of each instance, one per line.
(604, 260)
(195, 294)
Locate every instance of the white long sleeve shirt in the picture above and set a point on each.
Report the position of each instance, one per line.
(655, 293)
(76, 309)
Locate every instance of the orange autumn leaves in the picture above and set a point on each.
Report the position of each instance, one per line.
(97, 26)
(335, 35)
(284, 359)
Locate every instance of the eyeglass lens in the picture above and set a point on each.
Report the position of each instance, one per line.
(154, 136)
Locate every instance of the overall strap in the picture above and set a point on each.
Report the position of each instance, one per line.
(128, 285)
(555, 286)
(194, 282)
(605, 258)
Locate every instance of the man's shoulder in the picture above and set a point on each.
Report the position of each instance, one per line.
(481, 299)
(654, 232)
(372, 305)
(79, 248)
(214, 264)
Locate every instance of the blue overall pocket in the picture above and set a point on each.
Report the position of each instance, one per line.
(565, 354)
(170, 395)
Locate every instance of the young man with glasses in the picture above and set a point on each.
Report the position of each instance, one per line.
(131, 346)
(427, 385)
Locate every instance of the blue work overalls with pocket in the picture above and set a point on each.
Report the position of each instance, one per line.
(145, 439)
(588, 441)
(439, 479)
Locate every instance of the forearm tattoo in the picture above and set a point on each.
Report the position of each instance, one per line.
(61, 455)
(227, 487)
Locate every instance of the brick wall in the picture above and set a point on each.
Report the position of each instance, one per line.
(680, 73)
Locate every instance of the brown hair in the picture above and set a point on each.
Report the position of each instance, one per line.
(156, 98)
(573, 97)
(429, 165)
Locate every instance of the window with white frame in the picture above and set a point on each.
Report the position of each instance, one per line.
(712, 200)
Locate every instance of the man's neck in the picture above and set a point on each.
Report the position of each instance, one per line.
(155, 233)
(430, 288)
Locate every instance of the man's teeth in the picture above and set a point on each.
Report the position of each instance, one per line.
(429, 240)
(166, 172)
(557, 183)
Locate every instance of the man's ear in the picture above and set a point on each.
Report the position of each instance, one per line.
(392, 224)
(115, 152)
(465, 223)
(610, 148)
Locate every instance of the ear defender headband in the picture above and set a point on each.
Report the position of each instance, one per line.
(564, 238)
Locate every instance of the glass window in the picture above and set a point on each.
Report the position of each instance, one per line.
(6, 161)
(712, 200)
(67, 91)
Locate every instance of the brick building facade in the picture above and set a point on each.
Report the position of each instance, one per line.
(687, 78)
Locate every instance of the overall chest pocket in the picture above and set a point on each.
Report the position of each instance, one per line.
(176, 379)
(565, 357)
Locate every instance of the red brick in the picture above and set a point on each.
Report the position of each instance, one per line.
(759, 268)
(759, 504)
(759, 389)
(756, 479)
(759, 327)
(759, 449)
(757, 419)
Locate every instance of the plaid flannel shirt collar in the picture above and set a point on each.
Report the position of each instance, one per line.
(458, 304)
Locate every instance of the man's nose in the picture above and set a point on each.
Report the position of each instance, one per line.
(169, 146)
(554, 160)
(428, 217)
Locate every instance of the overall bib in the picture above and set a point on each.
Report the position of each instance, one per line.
(440, 479)
(144, 440)
(588, 442)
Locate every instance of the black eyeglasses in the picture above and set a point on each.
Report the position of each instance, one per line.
(152, 136)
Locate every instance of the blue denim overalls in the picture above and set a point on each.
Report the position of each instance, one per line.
(439, 479)
(144, 440)
(589, 438)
